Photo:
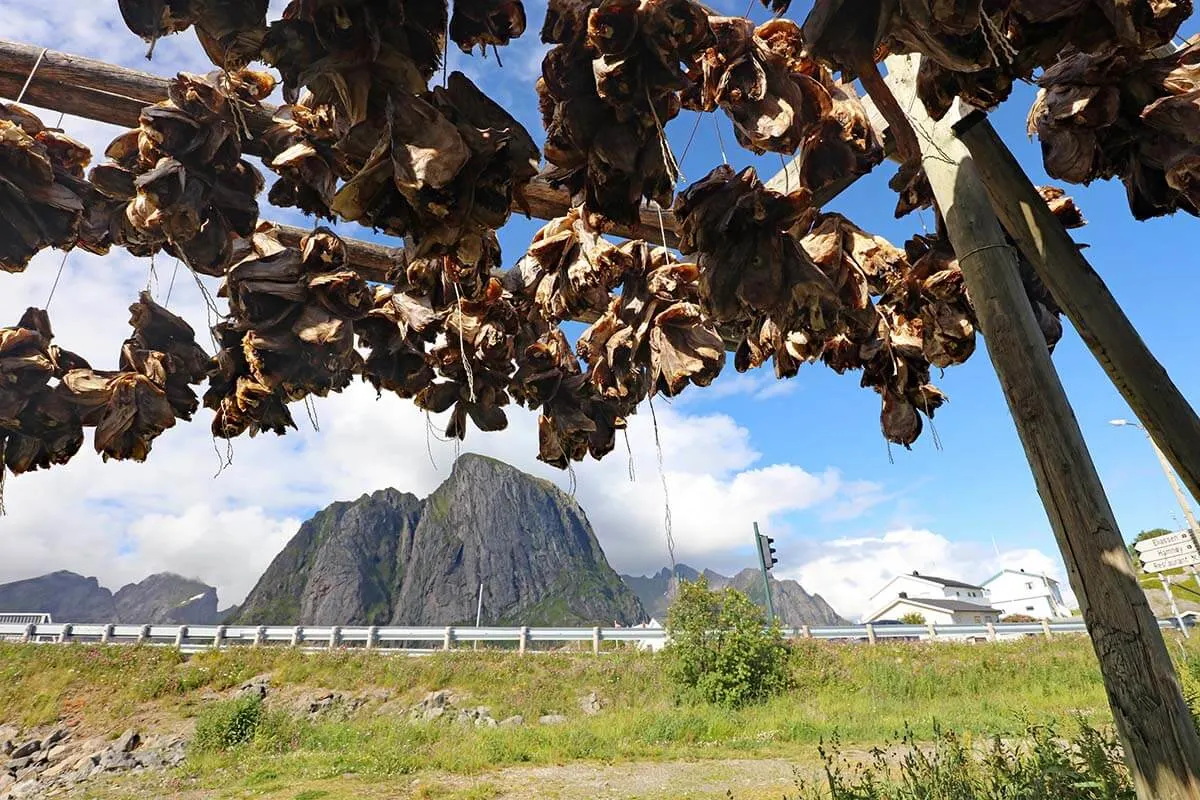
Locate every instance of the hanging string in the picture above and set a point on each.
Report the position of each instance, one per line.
(629, 450)
(662, 473)
(29, 80)
(673, 171)
(429, 434)
(171, 285)
(691, 138)
(57, 276)
(151, 276)
(720, 141)
(462, 346)
(311, 408)
(3, 510)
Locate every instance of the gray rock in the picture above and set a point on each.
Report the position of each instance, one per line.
(258, 685)
(29, 748)
(15, 764)
(26, 788)
(6, 781)
(391, 558)
(59, 753)
(552, 719)
(590, 703)
(116, 761)
(127, 741)
(56, 736)
(430, 714)
(515, 721)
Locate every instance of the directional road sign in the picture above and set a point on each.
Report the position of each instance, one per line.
(1170, 551)
(1182, 537)
(1174, 562)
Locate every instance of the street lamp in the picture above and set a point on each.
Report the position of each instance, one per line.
(1170, 473)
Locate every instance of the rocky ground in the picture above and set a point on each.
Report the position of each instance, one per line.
(50, 762)
(54, 761)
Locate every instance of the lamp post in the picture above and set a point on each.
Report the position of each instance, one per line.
(1170, 473)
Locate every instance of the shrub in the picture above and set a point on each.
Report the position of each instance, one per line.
(228, 723)
(1019, 618)
(1085, 767)
(913, 618)
(720, 648)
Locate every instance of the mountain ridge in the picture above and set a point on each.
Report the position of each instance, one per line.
(161, 598)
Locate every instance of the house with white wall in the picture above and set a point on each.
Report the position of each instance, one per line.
(938, 610)
(1015, 591)
(917, 586)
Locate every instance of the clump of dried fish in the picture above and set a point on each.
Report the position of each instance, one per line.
(290, 331)
(178, 181)
(1122, 115)
(607, 90)
(780, 100)
(41, 181)
(231, 31)
(479, 23)
(39, 425)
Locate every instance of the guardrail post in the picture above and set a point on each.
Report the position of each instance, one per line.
(933, 630)
(65, 635)
(1046, 627)
(30, 630)
(219, 637)
(106, 635)
(596, 636)
(524, 642)
(448, 638)
(991, 629)
(870, 633)
(144, 634)
(335, 637)
(807, 632)
(260, 635)
(180, 635)
(372, 637)
(297, 636)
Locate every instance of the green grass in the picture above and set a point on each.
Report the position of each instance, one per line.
(864, 695)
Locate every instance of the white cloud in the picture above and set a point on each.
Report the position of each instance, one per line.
(846, 572)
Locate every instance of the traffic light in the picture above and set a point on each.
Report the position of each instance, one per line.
(767, 551)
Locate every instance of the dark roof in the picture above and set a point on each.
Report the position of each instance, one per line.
(946, 582)
(949, 605)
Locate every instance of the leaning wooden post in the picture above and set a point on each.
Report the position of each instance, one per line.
(1160, 740)
(1089, 305)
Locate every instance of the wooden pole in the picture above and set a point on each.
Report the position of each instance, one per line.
(97, 90)
(1152, 719)
(1166, 414)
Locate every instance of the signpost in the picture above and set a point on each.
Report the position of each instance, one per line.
(1170, 551)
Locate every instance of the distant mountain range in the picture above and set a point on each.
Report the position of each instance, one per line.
(163, 598)
(393, 558)
(793, 605)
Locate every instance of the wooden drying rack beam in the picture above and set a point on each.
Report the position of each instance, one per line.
(97, 90)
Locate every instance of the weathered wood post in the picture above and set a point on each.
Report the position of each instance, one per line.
(991, 632)
(180, 635)
(297, 636)
(596, 635)
(27, 636)
(807, 632)
(260, 635)
(1166, 414)
(335, 637)
(1160, 740)
(1046, 628)
(870, 633)
(523, 645)
(448, 638)
(107, 635)
(219, 637)
(932, 630)
(372, 637)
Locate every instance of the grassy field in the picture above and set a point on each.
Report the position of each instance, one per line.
(863, 695)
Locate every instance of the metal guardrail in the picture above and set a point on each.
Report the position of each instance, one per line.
(195, 638)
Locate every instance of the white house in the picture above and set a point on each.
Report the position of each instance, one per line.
(938, 610)
(915, 586)
(1015, 591)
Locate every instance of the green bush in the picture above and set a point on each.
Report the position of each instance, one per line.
(1085, 767)
(228, 723)
(720, 648)
(913, 618)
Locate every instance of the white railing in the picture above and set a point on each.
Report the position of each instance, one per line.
(418, 640)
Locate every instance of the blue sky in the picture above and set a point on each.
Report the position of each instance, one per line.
(806, 457)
